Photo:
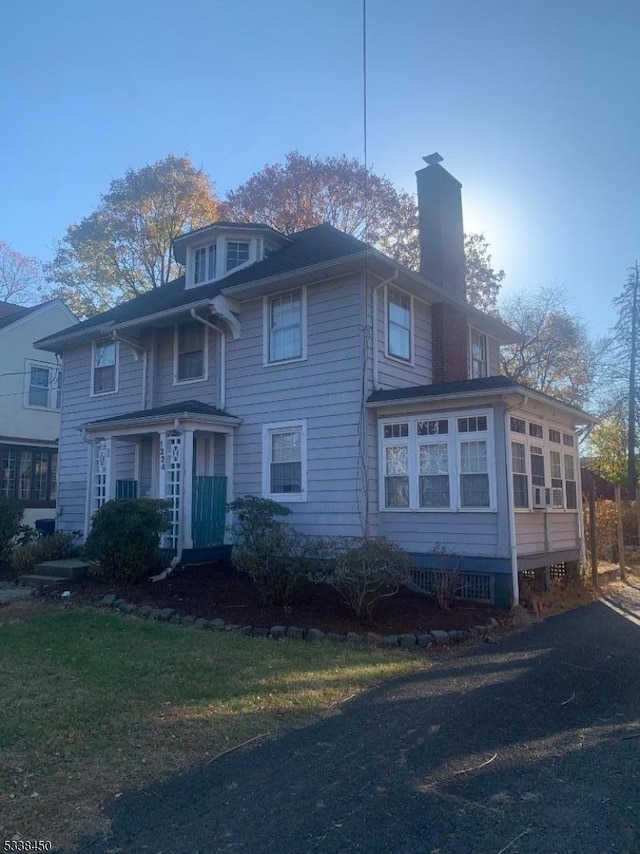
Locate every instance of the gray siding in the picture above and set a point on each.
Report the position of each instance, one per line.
(393, 373)
(165, 391)
(78, 407)
(326, 389)
(541, 531)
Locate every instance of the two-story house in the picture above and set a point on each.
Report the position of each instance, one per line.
(314, 370)
(30, 406)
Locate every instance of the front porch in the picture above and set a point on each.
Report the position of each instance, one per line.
(181, 453)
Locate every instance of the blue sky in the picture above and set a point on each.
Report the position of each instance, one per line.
(532, 104)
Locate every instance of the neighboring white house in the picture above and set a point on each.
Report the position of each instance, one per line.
(30, 406)
(316, 371)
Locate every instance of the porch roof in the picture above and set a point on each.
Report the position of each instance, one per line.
(481, 387)
(185, 410)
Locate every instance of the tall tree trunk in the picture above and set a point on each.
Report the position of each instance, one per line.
(621, 555)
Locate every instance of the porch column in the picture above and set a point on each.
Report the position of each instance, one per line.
(110, 484)
(228, 470)
(187, 488)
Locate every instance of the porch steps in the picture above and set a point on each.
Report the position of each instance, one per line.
(55, 572)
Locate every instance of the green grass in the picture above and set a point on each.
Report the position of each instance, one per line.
(93, 703)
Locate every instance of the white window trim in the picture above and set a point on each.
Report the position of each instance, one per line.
(205, 355)
(411, 360)
(251, 249)
(453, 441)
(266, 327)
(280, 427)
(114, 390)
(473, 329)
(53, 370)
(547, 446)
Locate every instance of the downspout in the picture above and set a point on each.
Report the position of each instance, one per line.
(375, 324)
(137, 349)
(223, 355)
(510, 499)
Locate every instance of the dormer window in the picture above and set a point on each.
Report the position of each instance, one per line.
(237, 253)
(204, 264)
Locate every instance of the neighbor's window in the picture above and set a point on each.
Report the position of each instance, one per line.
(29, 474)
(285, 450)
(104, 367)
(204, 264)
(285, 327)
(190, 342)
(42, 386)
(520, 480)
(399, 325)
(478, 353)
(237, 253)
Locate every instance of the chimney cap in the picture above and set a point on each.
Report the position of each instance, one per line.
(434, 158)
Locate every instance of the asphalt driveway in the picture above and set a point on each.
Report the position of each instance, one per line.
(528, 745)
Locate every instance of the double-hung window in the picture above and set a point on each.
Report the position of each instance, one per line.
(478, 354)
(557, 492)
(520, 479)
(105, 356)
(204, 264)
(570, 482)
(433, 463)
(42, 389)
(29, 474)
(190, 343)
(285, 327)
(398, 324)
(284, 461)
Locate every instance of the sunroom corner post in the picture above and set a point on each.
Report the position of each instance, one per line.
(228, 470)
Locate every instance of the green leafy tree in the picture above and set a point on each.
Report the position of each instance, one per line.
(555, 354)
(20, 276)
(123, 248)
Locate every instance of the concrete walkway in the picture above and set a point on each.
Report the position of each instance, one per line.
(528, 746)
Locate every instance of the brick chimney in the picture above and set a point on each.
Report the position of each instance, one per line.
(441, 231)
(442, 262)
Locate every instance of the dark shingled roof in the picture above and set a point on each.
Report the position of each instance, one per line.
(313, 246)
(10, 312)
(184, 407)
(458, 387)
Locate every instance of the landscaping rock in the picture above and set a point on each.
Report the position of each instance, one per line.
(144, 610)
(201, 623)
(153, 613)
(390, 640)
(165, 614)
(118, 603)
(440, 637)
(354, 637)
(295, 632)
(492, 623)
(372, 637)
(231, 627)
(456, 636)
(278, 632)
(245, 630)
(258, 632)
(334, 636)
(407, 641)
(482, 630)
(425, 641)
(176, 618)
(127, 608)
(189, 620)
(109, 600)
(315, 635)
(473, 632)
(217, 625)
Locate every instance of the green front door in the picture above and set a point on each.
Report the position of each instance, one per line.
(209, 509)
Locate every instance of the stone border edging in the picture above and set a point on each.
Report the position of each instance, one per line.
(423, 640)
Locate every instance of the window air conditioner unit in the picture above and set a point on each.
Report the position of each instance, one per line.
(541, 497)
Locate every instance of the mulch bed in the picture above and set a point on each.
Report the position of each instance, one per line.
(217, 590)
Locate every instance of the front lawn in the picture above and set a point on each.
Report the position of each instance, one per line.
(94, 703)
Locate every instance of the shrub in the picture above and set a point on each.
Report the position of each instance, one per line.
(267, 549)
(363, 570)
(125, 537)
(56, 546)
(10, 525)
